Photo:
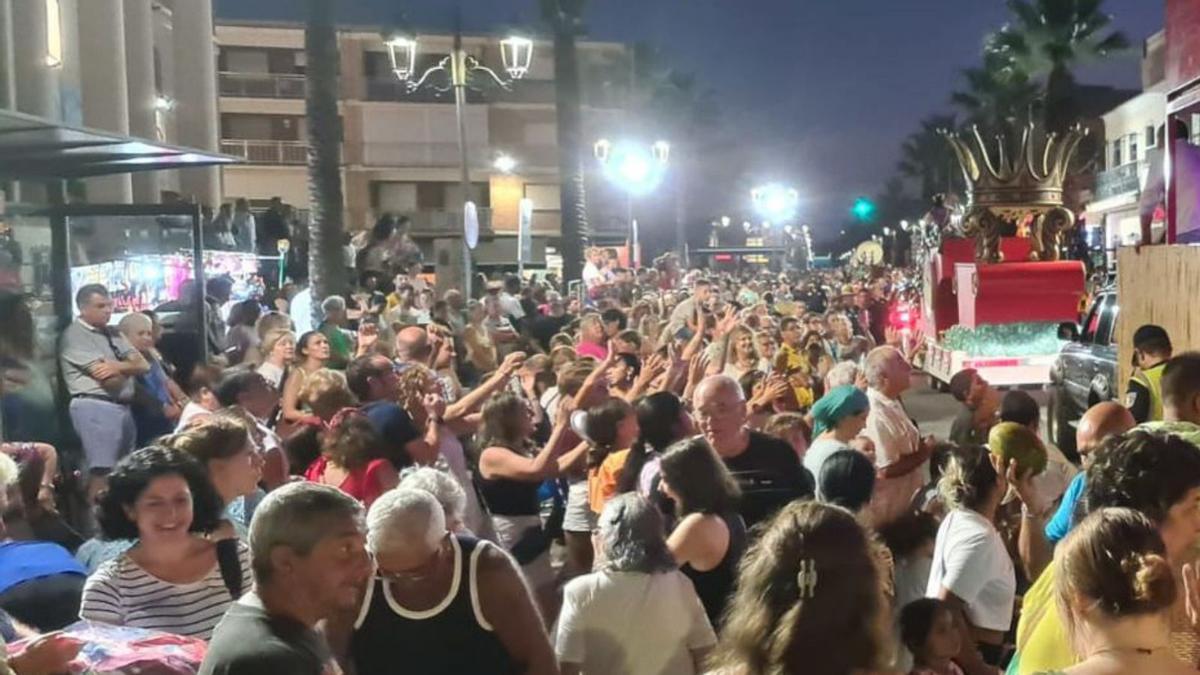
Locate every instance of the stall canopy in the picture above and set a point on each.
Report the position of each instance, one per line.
(32, 148)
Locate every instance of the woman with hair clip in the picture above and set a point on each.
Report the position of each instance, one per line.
(807, 600)
(710, 536)
(1115, 590)
(351, 459)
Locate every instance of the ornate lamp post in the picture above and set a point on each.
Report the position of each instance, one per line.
(458, 71)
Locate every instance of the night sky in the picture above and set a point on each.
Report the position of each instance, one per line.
(824, 91)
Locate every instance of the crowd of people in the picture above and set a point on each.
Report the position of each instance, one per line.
(672, 472)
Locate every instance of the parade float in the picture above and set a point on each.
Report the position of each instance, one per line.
(995, 290)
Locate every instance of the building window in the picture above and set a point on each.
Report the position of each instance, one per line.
(1133, 147)
(1150, 140)
(1116, 153)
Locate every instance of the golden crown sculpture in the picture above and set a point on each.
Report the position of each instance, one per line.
(1017, 191)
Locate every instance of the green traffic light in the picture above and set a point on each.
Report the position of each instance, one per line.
(863, 209)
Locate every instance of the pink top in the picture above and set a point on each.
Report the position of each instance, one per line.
(363, 483)
(592, 349)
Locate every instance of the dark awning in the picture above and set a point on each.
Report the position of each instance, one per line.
(32, 148)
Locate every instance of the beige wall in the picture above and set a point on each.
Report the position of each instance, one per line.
(260, 182)
(506, 192)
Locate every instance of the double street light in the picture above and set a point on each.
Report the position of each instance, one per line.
(637, 169)
(458, 71)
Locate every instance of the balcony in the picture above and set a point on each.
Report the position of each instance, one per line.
(1121, 180)
(422, 155)
(262, 85)
(267, 152)
(391, 89)
(440, 222)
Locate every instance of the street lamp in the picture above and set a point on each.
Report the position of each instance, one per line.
(775, 201)
(504, 163)
(457, 71)
(637, 169)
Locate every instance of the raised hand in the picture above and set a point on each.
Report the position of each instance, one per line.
(512, 363)
(435, 406)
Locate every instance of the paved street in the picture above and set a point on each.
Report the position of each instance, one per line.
(934, 411)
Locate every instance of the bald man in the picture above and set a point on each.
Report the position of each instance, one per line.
(766, 468)
(1097, 424)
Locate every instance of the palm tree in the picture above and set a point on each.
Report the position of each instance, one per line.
(327, 267)
(998, 94)
(566, 19)
(1049, 39)
(927, 158)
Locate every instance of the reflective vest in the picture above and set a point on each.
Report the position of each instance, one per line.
(1151, 379)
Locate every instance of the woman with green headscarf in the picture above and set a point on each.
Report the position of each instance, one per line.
(838, 418)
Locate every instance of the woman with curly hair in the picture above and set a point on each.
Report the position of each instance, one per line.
(351, 459)
(175, 579)
(807, 600)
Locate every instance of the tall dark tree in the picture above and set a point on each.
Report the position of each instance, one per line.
(565, 18)
(327, 267)
(1049, 39)
(927, 158)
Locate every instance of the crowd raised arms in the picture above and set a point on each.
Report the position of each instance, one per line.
(683, 472)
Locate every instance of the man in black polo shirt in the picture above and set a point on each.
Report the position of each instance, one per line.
(766, 469)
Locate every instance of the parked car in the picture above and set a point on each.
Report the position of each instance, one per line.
(1085, 372)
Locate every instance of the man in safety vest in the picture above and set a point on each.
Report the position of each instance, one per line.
(1151, 351)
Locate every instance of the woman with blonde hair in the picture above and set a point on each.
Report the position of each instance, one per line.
(278, 352)
(325, 392)
(807, 600)
(1115, 590)
(737, 354)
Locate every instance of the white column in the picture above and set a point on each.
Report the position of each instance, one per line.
(139, 68)
(196, 100)
(8, 84)
(36, 82)
(104, 86)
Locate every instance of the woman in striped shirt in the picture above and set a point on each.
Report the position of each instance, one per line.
(175, 579)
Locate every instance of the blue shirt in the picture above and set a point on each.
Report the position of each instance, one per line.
(1061, 523)
(22, 561)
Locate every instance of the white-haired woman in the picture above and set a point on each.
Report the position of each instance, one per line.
(638, 613)
(445, 603)
(158, 400)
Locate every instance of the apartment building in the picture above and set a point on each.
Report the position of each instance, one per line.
(1132, 156)
(400, 148)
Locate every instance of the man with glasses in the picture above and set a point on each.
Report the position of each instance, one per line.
(767, 469)
(439, 603)
(305, 537)
(375, 380)
(99, 367)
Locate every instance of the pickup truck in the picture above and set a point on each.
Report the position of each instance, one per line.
(1085, 372)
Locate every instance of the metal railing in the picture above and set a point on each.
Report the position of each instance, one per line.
(440, 221)
(1120, 180)
(261, 85)
(417, 154)
(267, 152)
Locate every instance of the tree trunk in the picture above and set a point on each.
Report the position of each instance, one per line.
(575, 234)
(327, 265)
(1060, 101)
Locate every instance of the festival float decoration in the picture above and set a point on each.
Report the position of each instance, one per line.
(996, 290)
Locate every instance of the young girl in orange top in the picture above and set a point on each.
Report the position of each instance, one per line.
(611, 429)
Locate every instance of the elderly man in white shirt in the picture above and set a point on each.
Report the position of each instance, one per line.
(901, 457)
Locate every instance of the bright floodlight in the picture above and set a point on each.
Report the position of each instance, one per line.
(775, 201)
(505, 164)
(632, 167)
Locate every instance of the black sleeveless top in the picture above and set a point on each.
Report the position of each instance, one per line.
(509, 497)
(715, 586)
(452, 638)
